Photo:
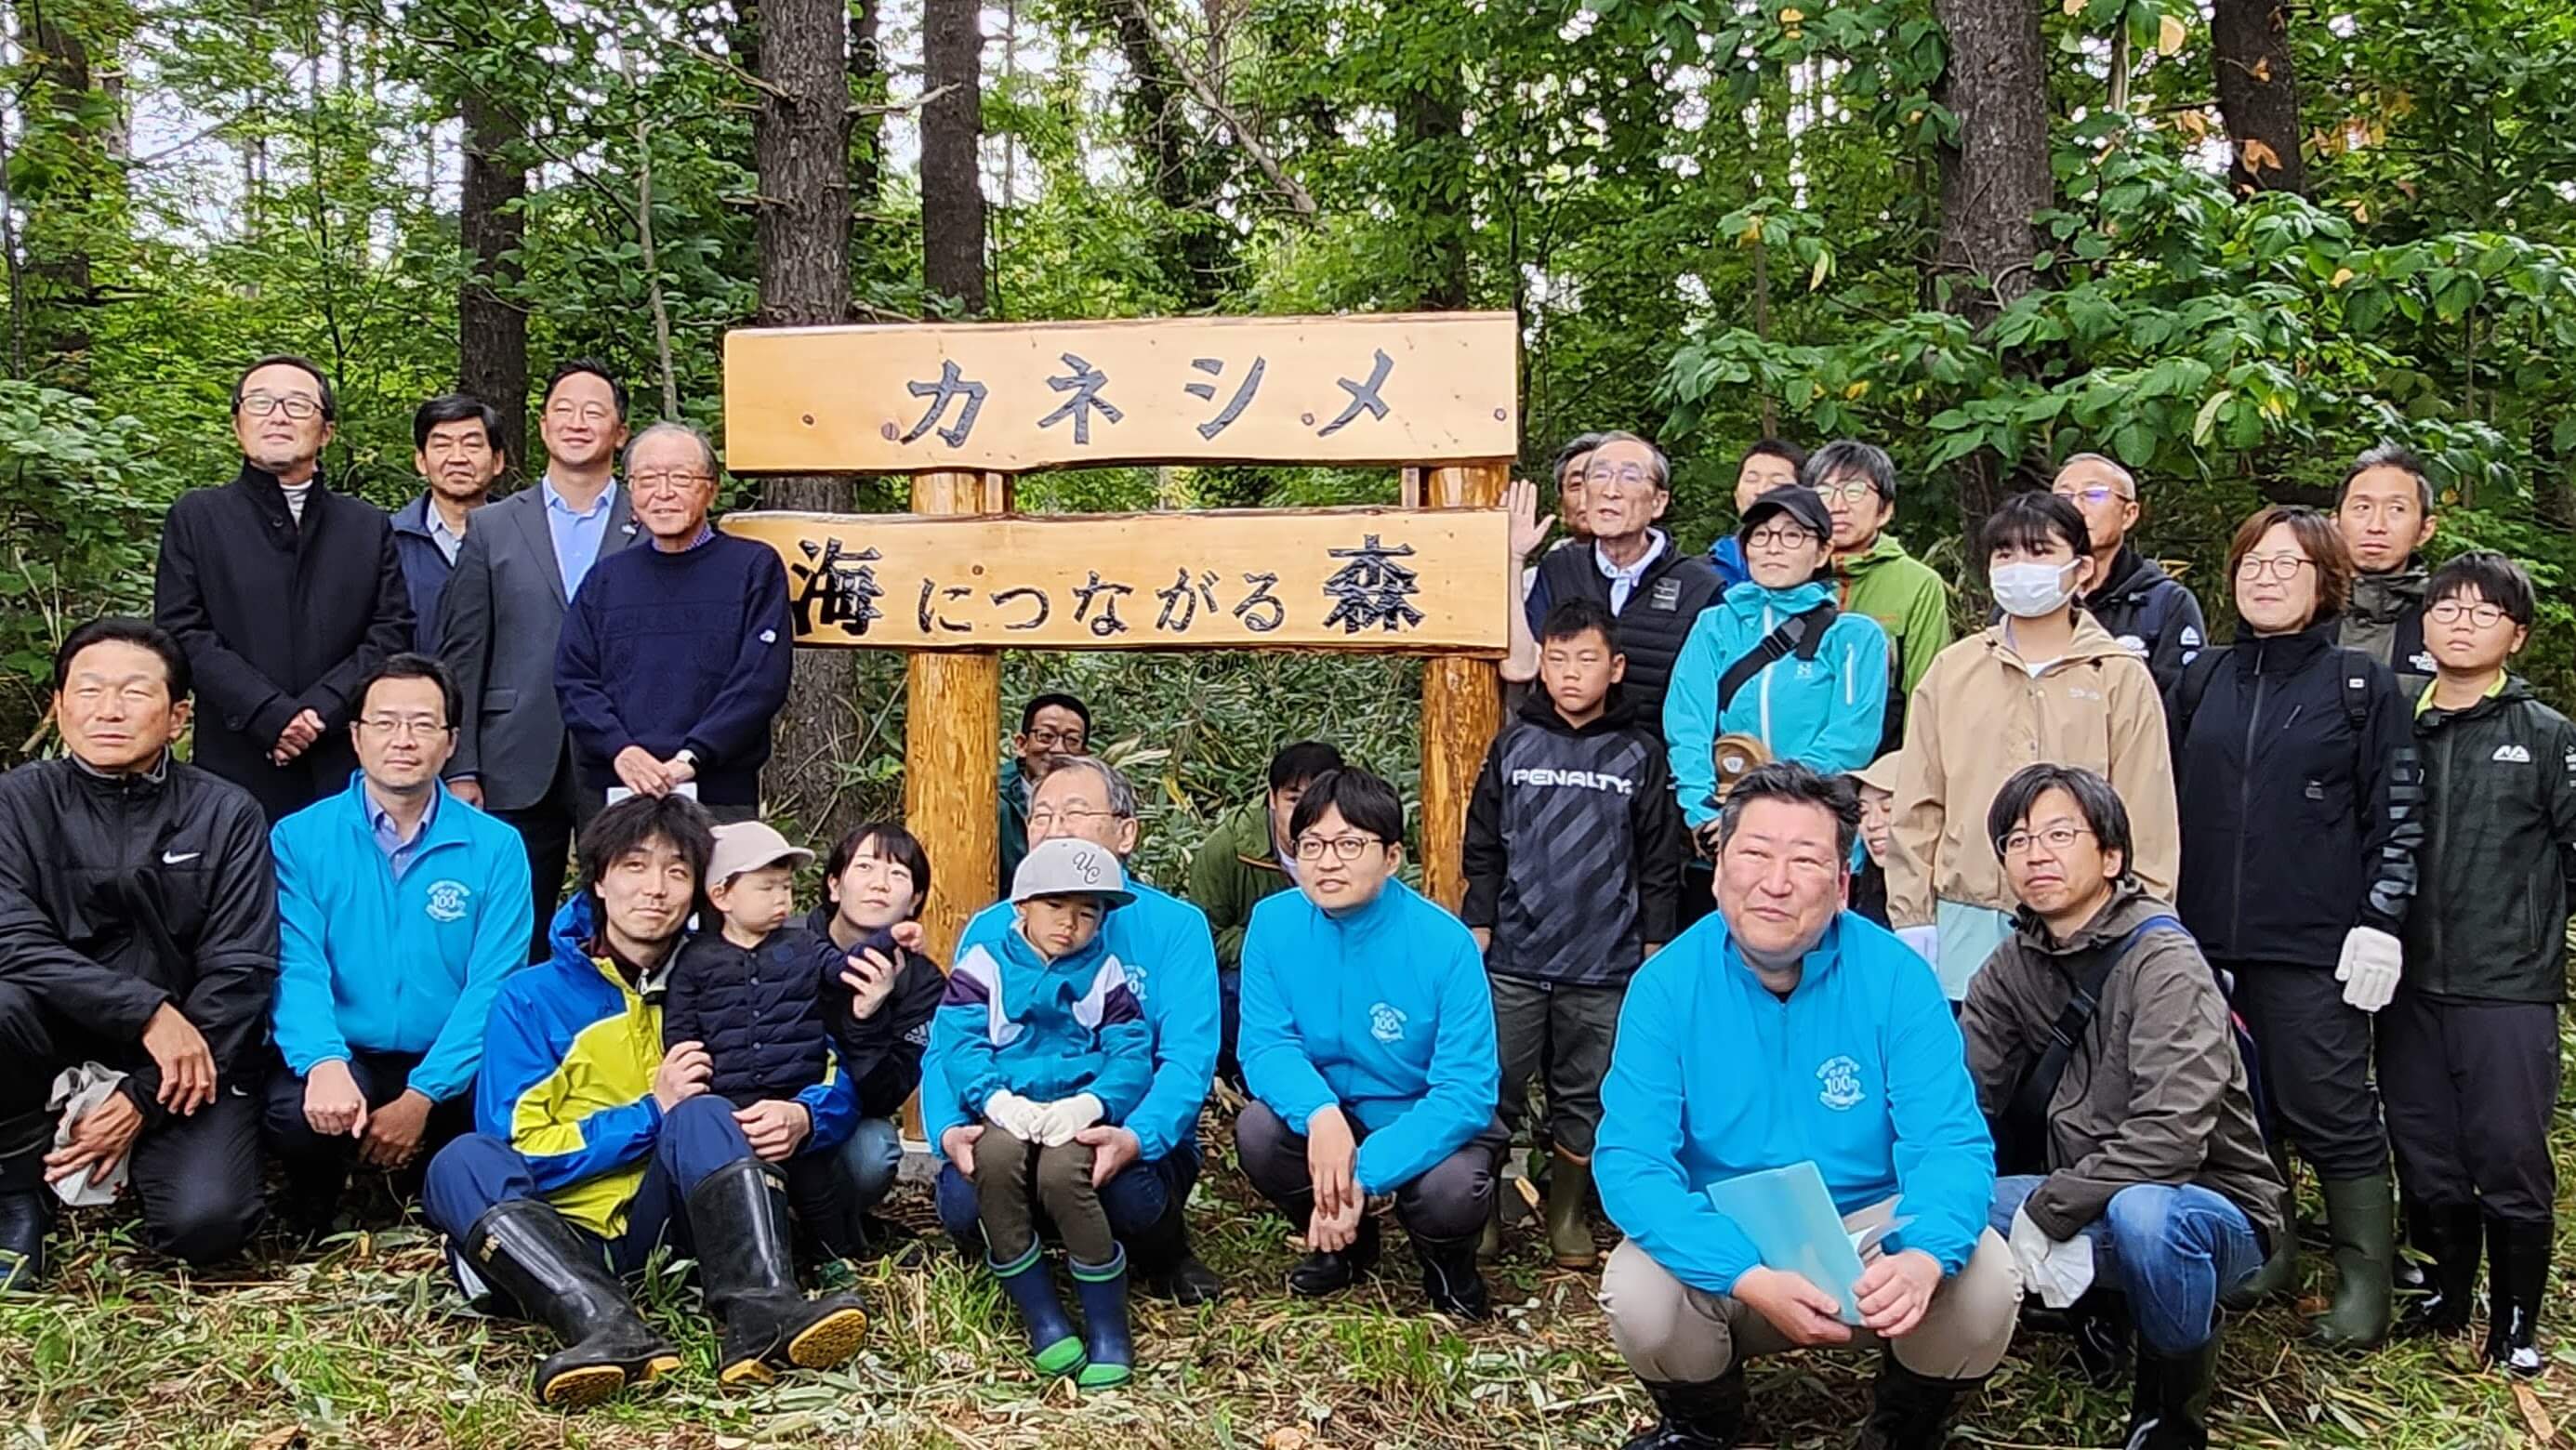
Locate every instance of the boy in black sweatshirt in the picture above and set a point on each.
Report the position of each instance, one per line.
(1573, 863)
(2468, 1050)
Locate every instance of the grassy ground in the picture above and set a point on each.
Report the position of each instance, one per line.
(367, 1345)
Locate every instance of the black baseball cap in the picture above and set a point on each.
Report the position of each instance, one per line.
(1799, 502)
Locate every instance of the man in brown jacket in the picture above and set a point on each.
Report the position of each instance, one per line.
(2124, 1125)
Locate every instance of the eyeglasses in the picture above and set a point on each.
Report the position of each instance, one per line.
(2093, 496)
(1056, 739)
(655, 483)
(1626, 475)
(294, 405)
(1046, 816)
(1344, 848)
(2452, 611)
(407, 727)
(1848, 491)
(1782, 538)
(2056, 838)
(2283, 567)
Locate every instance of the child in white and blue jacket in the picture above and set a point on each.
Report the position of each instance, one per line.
(1040, 1036)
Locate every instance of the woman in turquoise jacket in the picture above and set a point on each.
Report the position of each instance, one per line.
(1821, 702)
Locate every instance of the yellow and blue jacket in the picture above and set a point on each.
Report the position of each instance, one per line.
(567, 1078)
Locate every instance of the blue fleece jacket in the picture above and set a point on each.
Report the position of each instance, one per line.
(1013, 1021)
(1861, 1069)
(1824, 713)
(671, 651)
(1384, 1010)
(1728, 555)
(369, 963)
(1169, 956)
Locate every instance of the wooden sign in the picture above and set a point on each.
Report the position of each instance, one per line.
(1388, 389)
(1395, 580)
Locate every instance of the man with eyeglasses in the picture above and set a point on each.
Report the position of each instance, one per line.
(502, 616)
(456, 448)
(1145, 1167)
(1873, 573)
(138, 933)
(1051, 726)
(401, 909)
(284, 594)
(2148, 611)
(1368, 1042)
(675, 658)
(2134, 1188)
(2384, 508)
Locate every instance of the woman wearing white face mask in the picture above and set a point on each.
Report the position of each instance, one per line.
(2046, 683)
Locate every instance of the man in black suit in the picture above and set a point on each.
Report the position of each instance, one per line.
(522, 562)
(284, 595)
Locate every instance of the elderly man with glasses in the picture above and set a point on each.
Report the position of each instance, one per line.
(2148, 611)
(284, 595)
(1145, 1167)
(675, 658)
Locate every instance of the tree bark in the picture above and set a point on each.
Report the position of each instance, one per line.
(491, 322)
(952, 134)
(71, 206)
(2258, 94)
(1994, 180)
(1433, 125)
(801, 148)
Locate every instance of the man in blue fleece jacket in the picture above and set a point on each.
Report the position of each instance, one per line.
(675, 658)
(1145, 1166)
(400, 910)
(1783, 1029)
(1368, 1041)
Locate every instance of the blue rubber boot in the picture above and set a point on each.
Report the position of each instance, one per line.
(1052, 1343)
(1102, 1290)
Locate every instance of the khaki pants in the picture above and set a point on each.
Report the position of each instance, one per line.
(1671, 1333)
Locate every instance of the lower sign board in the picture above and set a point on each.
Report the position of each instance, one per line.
(1408, 581)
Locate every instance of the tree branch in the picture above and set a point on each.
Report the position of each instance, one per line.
(1299, 199)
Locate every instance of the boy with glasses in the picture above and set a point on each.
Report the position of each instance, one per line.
(2147, 610)
(2468, 1050)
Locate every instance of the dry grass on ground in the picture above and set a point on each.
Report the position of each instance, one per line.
(366, 1345)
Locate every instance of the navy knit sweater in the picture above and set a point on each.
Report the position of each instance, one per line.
(678, 650)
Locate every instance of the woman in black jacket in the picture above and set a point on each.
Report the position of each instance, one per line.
(2299, 791)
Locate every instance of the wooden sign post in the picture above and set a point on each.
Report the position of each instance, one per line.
(962, 577)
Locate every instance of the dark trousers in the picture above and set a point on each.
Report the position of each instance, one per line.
(1133, 1201)
(1013, 1177)
(1229, 1018)
(2470, 1088)
(2316, 1066)
(317, 1168)
(546, 830)
(1561, 1036)
(477, 1172)
(197, 1177)
(1448, 1202)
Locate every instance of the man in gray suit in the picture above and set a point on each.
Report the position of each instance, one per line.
(521, 564)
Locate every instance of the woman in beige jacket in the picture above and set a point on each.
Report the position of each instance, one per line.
(2045, 684)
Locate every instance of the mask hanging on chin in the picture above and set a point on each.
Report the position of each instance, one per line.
(2028, 590)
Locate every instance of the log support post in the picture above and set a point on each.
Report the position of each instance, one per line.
(952, 725)
(1462, 703)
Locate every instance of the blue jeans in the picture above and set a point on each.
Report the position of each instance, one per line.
(864, 1167)
(1134, 1201)
(2172, 1251)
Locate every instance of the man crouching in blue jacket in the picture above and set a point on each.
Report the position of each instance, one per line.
(1785, 1029)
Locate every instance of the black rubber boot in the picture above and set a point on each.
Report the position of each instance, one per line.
(2362, 1217)
(738, 1223)
(2099, 1323)
(2452, 1236)
(1109, 1351)
(2518, 1276)
(26, 1214)
(1708, 1415)
(1053, 1346)
(556, 1276)
(1450, 1279)
(1319, 1274)
(1908, 1411)
(2169, 1410)
(1163, 1266)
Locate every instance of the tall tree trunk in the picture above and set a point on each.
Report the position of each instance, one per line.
(801, 146)
(491, 321)
(952, 134)
(66, 211)
(1993, 181)
(2258, 94)
(1194, 243)
(1433, 123)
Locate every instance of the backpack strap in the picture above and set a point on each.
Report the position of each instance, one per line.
(2026, 1114)
(1803, 633)
(2350, 669)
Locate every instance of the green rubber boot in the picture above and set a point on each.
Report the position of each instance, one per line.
(1489, 1243)
(2362, 1218)
(1569, 1225)
(2280, 1272)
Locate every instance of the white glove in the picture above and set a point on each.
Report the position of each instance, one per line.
(1015, 1115)
(2372, 961)
(1058, 1121)
(2059, 1271)
(1924, 940)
